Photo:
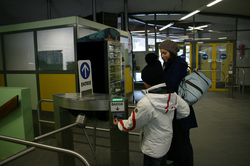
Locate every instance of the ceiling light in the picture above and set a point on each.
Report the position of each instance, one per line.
(167, 26)
(222, 37)
(198, 28)
(213, 3)
(190, 14)
(154, 33)
(202, 26)
(202, 38)
(140, 31)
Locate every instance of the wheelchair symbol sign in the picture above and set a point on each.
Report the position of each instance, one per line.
(85, 70)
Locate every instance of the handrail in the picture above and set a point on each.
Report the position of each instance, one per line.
(17, 155)
(215, 71)
(238, 81)
(243, 82)
(46, 147)
(39, 116)
(55, 131)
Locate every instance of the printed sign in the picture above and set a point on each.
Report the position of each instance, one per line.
(204, 56)
(183, 56)
(85, 76)
(223, 56)
(117, 106)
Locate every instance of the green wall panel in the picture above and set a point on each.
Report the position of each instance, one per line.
(18, 123)
(24, 80)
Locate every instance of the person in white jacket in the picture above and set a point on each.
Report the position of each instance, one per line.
(154, 114)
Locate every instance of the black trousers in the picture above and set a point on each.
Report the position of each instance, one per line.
(150, 161)
(181, 151)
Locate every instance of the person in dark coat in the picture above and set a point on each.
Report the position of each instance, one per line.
(175, 69)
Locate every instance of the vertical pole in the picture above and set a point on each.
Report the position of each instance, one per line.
(119, 141)
(64, 138)
(126, 15)
(155, 30)
(94, 9)
(230, 79)
(146, 35)
(48, 9)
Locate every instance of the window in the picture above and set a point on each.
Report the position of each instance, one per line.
(19, 51)
(56, 49)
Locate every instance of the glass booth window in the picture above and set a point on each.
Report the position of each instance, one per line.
(19, 51)
(138, 43)
(56, 49)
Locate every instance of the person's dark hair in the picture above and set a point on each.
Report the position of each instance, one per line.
(152, 73)
(172, 56)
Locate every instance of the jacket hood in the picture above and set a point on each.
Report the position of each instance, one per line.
(161, 97)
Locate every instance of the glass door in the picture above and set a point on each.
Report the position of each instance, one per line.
(185, 52)
(212, 60)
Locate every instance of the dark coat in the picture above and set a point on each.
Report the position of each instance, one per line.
(174, 71)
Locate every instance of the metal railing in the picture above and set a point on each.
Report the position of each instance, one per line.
(52, 122)
(238, 82)
(42, 146)
(39, 115)
(215, 71)
(35, 145)
(80, 122)
(17, 155)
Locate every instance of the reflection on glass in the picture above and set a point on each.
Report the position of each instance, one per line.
(19, 51)
(115, 67)
(138, 44)
(50, 60)
(56, 49)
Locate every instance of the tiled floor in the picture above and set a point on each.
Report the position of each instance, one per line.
(222, 138)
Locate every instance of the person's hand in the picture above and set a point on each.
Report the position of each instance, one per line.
(115, 121)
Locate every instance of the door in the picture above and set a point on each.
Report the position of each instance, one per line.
(212, 60)
(185, 52)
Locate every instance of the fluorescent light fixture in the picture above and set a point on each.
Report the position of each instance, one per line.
(190, 14)
(213, 31)
(202, 26)
(202, 38)
(198, 28)
(140, 31)
(167, 26)
(213, 3)
(157, 33)
(222, 37)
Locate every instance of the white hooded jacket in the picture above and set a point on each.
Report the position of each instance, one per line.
(154, 114)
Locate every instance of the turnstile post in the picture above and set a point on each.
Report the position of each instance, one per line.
(119, 141)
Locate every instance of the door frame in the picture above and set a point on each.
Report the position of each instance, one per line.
(213, 66)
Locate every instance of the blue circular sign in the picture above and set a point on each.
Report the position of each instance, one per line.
(205, 56)
(85, 70)
(223, 56)
(183, 56)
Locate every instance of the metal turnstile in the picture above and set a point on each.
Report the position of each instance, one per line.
(64, 104)
(119, 141)
(230, 79)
